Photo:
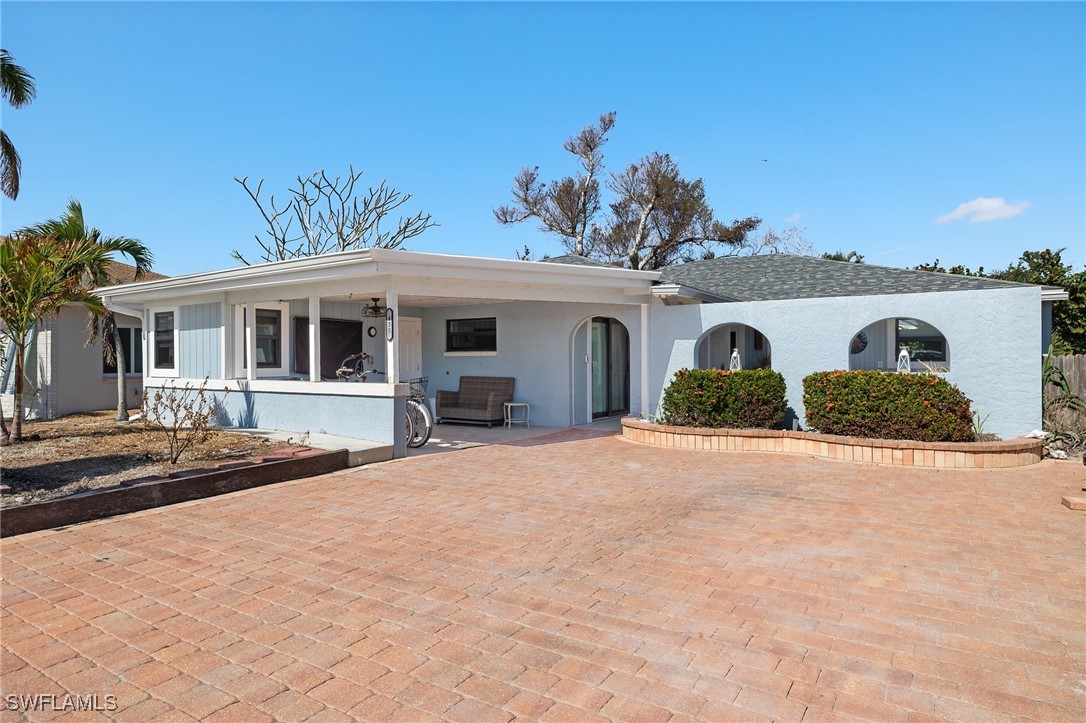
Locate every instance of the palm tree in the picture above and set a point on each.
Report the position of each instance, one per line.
(17, 86)
(39, 275)
(71, 226)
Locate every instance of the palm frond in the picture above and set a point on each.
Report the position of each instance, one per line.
(16, 85)
(10, 167)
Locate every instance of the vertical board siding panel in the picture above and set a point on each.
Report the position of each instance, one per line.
(875, 352)
(200, 354)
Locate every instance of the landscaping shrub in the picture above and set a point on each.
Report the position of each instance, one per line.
(751, 398)
(885, 405)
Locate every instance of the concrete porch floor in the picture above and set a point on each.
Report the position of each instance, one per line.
(453, 437)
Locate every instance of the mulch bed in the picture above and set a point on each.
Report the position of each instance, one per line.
(81, 452)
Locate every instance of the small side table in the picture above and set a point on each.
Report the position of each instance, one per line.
(510, 420)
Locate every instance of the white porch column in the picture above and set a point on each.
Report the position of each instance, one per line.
(314, 338)
(250, 341)
(227, 340)
(392, 346)
(645, 406)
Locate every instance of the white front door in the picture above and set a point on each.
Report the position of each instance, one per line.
(410, 362)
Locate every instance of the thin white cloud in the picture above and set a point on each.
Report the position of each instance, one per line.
(794, 218)
(982, 209)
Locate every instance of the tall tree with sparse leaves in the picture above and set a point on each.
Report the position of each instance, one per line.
(17, 87)
(657, 217)
(565, 207)
(660, 218)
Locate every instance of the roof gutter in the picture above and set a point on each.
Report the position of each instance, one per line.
(1054, 293)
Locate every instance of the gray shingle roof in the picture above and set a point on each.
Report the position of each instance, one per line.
(574, 260)
(781, 276)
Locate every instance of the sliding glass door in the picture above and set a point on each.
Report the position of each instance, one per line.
(610, 368)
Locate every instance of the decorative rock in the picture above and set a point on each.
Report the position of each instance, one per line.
(5, 490)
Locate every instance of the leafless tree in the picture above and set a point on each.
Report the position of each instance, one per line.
(567, 206)
(325, 215)
(791, 240)
(660, 218)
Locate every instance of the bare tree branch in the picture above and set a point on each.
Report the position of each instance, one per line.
(565, 207)
(332, 217)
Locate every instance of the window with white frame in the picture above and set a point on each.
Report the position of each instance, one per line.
(271, 337)
(131, 349)
(162, 342)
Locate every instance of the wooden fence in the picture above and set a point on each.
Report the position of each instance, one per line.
(1073, 367)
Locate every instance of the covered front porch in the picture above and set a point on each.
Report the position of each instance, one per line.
(572, 337)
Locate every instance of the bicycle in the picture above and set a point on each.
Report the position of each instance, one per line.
(419, 421)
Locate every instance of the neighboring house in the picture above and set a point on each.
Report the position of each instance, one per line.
(583, 340)
(63, 374)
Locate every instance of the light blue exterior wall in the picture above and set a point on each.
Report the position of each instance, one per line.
(199, 350)
(993, 336)
(359, 417)
(536, 347)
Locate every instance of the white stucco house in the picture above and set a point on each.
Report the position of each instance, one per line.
(582, 340)
(63, 374)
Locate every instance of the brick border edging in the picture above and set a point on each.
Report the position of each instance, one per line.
(98, 504)
(941, 455)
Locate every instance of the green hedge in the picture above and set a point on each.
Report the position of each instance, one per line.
(886, 405)
(751, 398)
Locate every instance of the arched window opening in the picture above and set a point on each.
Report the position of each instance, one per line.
(877, 346)
(716, 347)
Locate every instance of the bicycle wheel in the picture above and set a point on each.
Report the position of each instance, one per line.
(409, 425)
(422, 420)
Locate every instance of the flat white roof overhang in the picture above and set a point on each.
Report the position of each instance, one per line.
(419, 279)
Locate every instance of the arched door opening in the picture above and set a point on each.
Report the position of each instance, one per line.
(601, 365)
(714, 349)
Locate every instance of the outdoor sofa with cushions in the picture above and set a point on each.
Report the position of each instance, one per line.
(479, 399)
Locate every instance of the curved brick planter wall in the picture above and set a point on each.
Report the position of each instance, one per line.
(955, 455)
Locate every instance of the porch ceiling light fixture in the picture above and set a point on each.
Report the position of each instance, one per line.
(374, 311)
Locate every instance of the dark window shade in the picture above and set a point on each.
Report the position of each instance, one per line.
(339, 340)
(471, 335)
(133, 355)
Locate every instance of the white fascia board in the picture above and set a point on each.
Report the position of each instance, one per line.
(1054, 293)
(534, 269)
(342, 267)
(664, 292)
(310, 268)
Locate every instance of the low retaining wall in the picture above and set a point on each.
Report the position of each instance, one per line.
(147, 493)
(953, 455)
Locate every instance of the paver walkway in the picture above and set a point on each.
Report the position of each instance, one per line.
(592, 578)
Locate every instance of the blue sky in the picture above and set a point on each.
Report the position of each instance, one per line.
(883, 124)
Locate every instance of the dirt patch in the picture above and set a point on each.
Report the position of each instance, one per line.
(80, 452)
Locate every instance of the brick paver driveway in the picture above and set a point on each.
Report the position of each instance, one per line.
(568, 579)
